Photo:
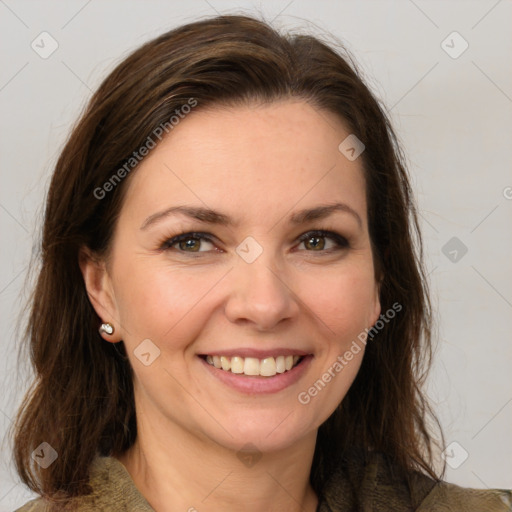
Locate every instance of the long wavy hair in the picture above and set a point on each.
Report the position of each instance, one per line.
(82, 401)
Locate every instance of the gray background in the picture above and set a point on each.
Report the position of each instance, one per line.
(452, 114)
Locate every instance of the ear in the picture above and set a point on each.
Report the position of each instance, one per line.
(100, 291)
(375, 313)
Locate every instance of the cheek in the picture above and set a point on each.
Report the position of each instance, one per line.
(344, 301)
(155, 301)
(346, 304)
(164, 303)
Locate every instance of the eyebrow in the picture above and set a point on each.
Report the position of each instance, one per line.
(323, 211)
(195, 212)
(209, 216)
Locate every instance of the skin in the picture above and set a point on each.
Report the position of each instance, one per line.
(258, 164)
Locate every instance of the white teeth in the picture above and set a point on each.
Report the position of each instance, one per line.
(267, 367)
(225, 362)
(237, 365)
(251, 366)
(280, 364)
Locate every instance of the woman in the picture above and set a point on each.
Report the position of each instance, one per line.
(230, 311)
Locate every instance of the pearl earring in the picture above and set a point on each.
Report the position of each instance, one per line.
(106, 329)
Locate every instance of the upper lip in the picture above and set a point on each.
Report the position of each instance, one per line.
(256, 353)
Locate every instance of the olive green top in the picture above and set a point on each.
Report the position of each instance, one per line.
(376, 488)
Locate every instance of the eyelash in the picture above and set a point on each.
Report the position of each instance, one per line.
(341, 241)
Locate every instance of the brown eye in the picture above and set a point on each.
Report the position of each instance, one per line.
(315, 243)
(323, 241)
(188, 242)
(193, 244)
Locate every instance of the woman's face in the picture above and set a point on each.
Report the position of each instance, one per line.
(253, 278)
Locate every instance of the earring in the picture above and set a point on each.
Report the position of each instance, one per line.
(106, 329)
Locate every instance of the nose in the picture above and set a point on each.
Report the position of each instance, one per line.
(259, 295)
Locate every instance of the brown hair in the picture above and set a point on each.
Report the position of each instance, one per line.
(82, 400)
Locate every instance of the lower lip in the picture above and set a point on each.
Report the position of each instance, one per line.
(257, 384)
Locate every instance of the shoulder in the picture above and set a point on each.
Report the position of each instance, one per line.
(37, 505)
(448, 497)
(112, 490)
(373, 482)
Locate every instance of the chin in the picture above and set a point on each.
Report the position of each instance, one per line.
(269, 433)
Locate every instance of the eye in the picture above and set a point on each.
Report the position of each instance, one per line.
(323, 241)
(188, 242)
(313, 241)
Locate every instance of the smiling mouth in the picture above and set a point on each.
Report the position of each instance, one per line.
(253, 367)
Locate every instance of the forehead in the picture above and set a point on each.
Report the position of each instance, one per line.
(253, 160)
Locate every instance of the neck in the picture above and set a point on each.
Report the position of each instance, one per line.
(196, 474)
